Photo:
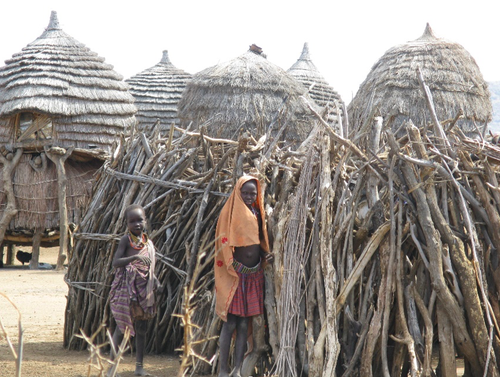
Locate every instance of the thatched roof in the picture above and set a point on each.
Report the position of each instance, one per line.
(55, 75)
(245, 93)
(320, 91)
(157, 90)
(451, 73)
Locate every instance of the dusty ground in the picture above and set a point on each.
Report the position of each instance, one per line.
(41, 299)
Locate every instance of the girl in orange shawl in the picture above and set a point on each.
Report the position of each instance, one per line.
(242, 247)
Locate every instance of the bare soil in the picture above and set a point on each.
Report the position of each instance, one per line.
(40, 296)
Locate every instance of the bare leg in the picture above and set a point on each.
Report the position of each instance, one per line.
(225, 343)
(140, 340)
(240, 345)
(116, 341)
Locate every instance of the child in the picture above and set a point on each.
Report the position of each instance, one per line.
(132, 292)
(242, 247)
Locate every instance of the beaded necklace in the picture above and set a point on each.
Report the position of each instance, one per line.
(254, 211)
(137, 243)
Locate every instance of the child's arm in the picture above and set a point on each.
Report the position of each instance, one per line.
(120, 259)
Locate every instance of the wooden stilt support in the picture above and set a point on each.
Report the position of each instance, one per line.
(35, 256)
(10, 255)
(9, 163)
(59, 156)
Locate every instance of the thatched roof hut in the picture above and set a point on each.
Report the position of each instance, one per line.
(451, 73)
(320, 91)
(157, 90)
(61, 109)
(57, 91)
(246, 93)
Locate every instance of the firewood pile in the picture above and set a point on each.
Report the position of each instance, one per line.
(386, 250)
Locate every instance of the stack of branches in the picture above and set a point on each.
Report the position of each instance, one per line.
(386, 258)
(386, 250)
(182, 183)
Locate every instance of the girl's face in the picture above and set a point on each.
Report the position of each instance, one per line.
(249, 193)
(136, 221)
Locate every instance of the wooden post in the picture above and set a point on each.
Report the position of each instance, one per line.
(372, 195)
(35, 256)
(10, 255)
(9, 163)
(59, 156)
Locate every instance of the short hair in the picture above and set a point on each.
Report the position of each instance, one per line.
(133, 207)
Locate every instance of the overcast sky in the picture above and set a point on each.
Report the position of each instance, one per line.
(345, 37)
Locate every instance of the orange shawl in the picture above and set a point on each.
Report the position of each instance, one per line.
(236, 227)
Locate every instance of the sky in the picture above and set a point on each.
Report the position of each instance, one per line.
(345, 37)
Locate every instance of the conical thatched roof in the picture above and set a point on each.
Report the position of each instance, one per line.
(245, 93)
(320, 91)
(451, 73)
(157, 91)
(85, 99)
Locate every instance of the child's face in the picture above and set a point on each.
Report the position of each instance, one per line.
(136, 221)
(249, 193)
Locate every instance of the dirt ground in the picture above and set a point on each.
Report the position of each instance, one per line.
(40, 295)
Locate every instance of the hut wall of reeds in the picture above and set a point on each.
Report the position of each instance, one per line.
(451, 73)
(248, 93)
(305, 72)
(36, 192)
(157, 91)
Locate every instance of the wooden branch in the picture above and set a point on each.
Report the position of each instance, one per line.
(438, 128)
(426, 372)
(10, 209)
(59, 156)
(365, 257)
(207, 138)
(434, 254)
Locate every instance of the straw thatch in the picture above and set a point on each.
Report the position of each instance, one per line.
(451, 73)
(246, 93)
(84, 98)
(157, 90)
(320, 91)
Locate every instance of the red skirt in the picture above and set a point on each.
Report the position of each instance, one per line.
(248, 299)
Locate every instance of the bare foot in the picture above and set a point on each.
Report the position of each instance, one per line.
(139, 371)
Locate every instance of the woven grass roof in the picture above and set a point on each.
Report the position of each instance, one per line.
(320, 91)
(245, 93)
(58, 76)
(451, 73)
(157, 91)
